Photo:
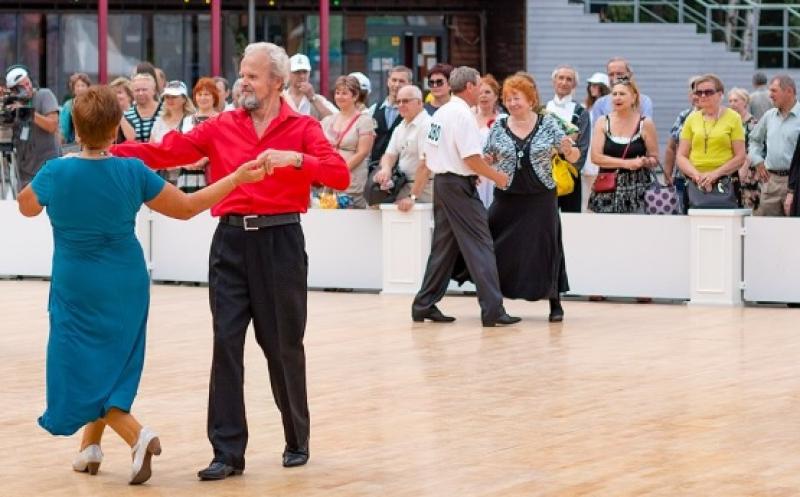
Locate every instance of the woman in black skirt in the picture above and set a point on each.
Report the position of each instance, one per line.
(524, 218)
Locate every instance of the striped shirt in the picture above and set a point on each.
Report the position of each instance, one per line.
(142, 126)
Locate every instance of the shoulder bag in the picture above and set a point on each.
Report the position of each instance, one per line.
(606, 182)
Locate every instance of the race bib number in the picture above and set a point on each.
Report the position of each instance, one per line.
(434, 133)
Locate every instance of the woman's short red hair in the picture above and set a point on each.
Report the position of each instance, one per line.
(523, 83)
(209, 85)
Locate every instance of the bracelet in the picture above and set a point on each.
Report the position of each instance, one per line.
(230, 177)
(298, 160)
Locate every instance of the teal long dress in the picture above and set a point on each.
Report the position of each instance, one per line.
(100, 289)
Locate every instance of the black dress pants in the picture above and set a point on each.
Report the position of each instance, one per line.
(460, 226)
(260, 276)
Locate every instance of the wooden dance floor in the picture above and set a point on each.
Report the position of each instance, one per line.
(620, 400)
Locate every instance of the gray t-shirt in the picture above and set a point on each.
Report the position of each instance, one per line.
(40, 145)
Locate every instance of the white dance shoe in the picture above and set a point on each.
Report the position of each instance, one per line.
(88, 460)
(145, 448)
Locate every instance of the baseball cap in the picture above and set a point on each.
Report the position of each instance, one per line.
(299, 62)
(363, 81)
(176, 89)
(15, 74)
(599, 78)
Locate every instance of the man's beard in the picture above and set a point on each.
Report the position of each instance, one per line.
(249, 102)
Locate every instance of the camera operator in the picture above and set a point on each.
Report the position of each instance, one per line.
(36, 124)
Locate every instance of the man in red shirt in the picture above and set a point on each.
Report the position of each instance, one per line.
(257, 264)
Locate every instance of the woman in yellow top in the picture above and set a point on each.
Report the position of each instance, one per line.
(712, 140)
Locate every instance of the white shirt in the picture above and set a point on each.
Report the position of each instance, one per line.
(406, 143)
(305, 106)
(453, 135)
(562, 107)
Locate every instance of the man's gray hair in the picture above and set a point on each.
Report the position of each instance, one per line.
(568, 68)
(628, 67)
(414, 89)
(462, 75)
(278, 60)
(785, 81)
(759, 79)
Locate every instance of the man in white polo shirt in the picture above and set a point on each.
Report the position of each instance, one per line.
(405, 150)
(453, 153)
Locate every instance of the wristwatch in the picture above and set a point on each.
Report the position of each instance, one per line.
(298, 161)
(413, 197)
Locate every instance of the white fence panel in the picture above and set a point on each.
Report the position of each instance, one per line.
(771, 264)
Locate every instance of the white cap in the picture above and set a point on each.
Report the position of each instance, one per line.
(176, 89)
(15, 75)
(363, 81)
(599, 78)
(299, 62)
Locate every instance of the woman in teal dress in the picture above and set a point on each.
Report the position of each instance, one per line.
(99, 291)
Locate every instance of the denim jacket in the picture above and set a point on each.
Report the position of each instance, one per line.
(548, 137)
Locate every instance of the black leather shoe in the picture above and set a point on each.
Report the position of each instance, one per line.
(217, 471)
(503, 320)
(556, 316)
(433, 314)
(292, 458)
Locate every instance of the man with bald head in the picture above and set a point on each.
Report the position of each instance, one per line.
(405, 150)
(257, 265)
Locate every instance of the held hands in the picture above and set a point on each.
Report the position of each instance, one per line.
(249, 172)
(707, 180)
(271, 158)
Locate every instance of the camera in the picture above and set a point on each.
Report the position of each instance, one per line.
(11, 114)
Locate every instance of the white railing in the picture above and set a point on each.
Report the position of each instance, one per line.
(767, 34)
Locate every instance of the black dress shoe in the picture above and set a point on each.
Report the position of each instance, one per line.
(292, 458)
(217, 471)
(556, 316)
(503, 320)
(434, 314)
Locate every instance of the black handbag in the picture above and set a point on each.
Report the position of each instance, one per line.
(374, 194)
(721, 196)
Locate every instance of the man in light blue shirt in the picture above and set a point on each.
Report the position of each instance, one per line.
(618, 67)
(777, 132)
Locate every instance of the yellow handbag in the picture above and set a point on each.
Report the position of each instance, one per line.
(564, 175)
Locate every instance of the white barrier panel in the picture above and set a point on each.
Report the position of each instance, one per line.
(627, 255)
(179, 249)
(771, 265)
(716, 255)
(344, 248)
(406, 245)
(26, 248)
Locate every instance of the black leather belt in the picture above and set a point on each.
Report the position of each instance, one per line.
(784, 172)
(254, 222)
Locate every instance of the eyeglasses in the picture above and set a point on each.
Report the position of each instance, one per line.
(434, 83)
(705, 93)
(403, 101)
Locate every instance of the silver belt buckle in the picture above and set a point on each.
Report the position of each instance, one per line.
(246, 226)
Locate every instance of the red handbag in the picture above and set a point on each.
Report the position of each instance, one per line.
(605, 182)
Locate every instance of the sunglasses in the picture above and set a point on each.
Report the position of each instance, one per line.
(403, 101)
(705, 93)
(434, 83)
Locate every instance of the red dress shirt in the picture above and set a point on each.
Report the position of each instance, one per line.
(229, 140)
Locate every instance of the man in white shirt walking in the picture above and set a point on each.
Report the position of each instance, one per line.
(453, 152)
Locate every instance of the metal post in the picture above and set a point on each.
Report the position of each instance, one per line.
(636, 11)
(483, 41)
(251, 21)
(216, 39)
(708, 21)
(587, 6)
(785, 38)
(756, 32)
(680, 11)
(324, 41)
(102, 41)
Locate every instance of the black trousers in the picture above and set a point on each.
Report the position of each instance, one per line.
(460, 225)
(260, 276)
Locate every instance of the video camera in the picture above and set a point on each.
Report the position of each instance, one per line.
(11, 114)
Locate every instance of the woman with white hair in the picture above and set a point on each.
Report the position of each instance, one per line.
(739, 100)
